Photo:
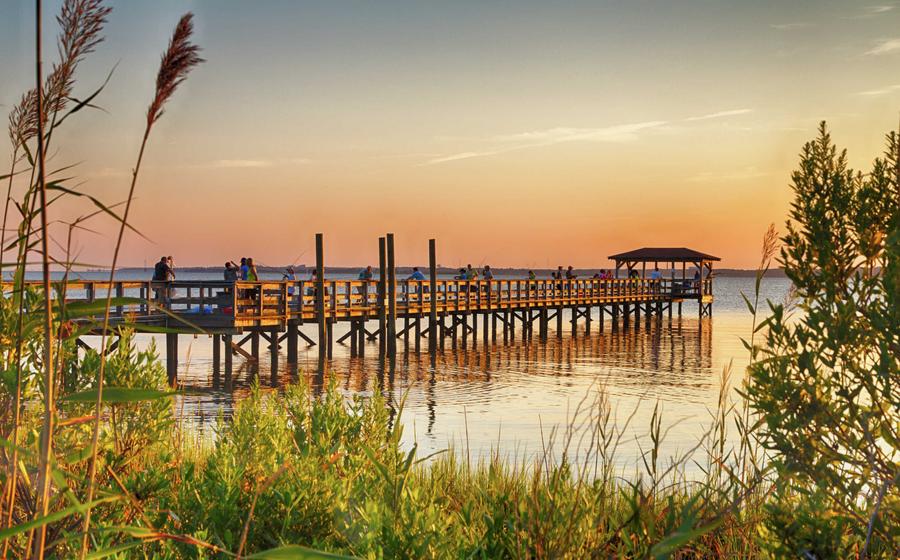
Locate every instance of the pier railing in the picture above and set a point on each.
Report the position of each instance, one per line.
(239, 304)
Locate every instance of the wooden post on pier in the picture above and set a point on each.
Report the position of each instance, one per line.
(382, 287)
(392, 296)
(292, 346)
(254, 349)
(320, 297)
(229, 352)
(217, 357)
(273, 352)
(172, 358)
(433, 329)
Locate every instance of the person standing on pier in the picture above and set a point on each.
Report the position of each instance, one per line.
(471, 273)
(570, 273)
(656, 279)
(161, 273)
(487, 273)
(244, 268)
(231, 271)
(252, 274)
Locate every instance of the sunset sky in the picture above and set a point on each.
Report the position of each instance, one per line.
(517, 133)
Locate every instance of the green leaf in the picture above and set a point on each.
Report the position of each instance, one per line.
(51, 518)
(749, 305)
(292, 552)
(89, 308)
(103, 553)
(679, 538)
(113, 395)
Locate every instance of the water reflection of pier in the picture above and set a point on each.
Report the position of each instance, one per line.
(673, 354)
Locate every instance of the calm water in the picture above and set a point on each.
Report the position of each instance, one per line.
(510, 397)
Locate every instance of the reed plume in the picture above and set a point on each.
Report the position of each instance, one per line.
(178, 60)
(81, 25)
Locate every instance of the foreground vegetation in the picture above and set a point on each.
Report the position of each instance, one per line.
(94, 464)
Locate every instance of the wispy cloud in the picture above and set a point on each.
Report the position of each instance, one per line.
(241, 163)
(886, 46)
(505, 143)
(250, 163)
(744, 174)
(881, 91)
(791, 26)
(720, 114)
(875, 10)
(870, 12)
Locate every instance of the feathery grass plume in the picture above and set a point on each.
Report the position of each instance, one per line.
(81, 24)
(177, 61)
(23, 120)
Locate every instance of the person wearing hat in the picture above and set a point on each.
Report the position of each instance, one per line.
(289, 276)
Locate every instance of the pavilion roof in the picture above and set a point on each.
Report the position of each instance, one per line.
(664, 254)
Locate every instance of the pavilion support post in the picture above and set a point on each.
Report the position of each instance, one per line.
(559, 322)
(172, 358)
(380, 296)
(433, 329)
(587, 319)
(602, 321)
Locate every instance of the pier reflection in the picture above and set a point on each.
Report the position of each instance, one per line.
(672, 357)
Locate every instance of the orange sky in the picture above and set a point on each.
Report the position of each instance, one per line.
(517, 135)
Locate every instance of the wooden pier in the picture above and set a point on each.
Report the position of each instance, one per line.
(383, 311)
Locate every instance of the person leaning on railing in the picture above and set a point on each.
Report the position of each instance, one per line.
(161, 273)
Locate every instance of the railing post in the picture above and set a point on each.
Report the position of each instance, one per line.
(380, 295)
(432, 314)
(320, 297)
(392, 296)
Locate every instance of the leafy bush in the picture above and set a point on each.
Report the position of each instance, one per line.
(826, 386)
